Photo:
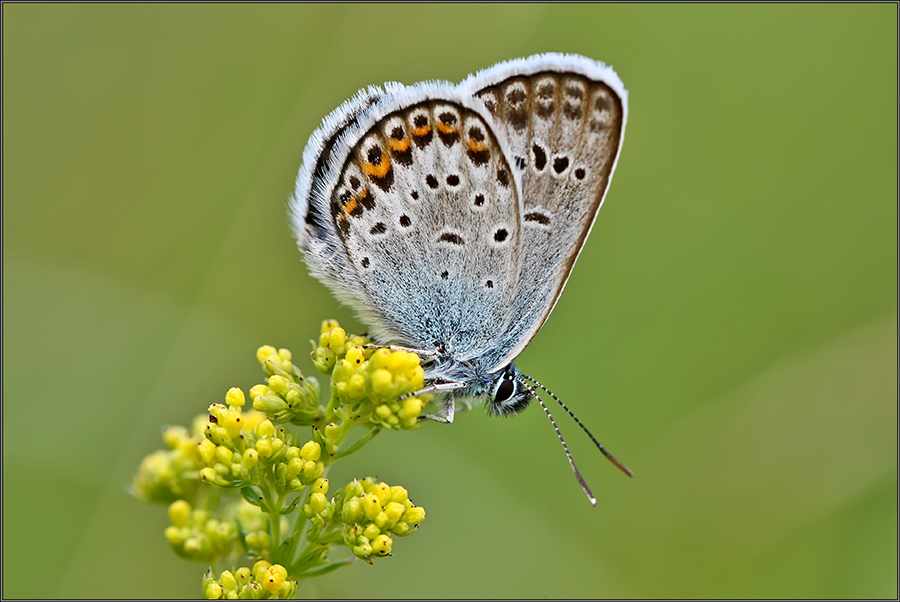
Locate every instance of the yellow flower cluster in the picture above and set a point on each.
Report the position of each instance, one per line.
(300, 467)
(373, 384)
(265, 581)
(318, 509)
(259, 462)
(196, 535)
(373, 512)
(238, 445)
(287, 396)
(333, 345)
(226, 458)
(170, 474)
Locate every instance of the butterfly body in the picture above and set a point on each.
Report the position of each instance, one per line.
(450, 216)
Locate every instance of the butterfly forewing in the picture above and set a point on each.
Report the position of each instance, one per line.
(427, 210)
(564, 130)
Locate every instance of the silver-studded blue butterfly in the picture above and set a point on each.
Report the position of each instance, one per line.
(450, 216)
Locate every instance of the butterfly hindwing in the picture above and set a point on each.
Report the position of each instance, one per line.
(564, 119)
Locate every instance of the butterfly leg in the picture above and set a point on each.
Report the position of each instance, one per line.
(448, 409)
(445, 416)
(433, 387)
(422, 353)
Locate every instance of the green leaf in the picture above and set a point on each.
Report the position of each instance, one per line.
(290, 507)
(253, 495)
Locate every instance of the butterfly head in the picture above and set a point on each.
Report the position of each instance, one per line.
(509, 394)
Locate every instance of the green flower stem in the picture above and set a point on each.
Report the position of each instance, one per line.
(275, 527)
(359, 444)
(327, 568)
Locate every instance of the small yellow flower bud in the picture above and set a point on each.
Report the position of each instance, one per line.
(273, 577)
(212, 591)
(263, 353)
(320, 486)
(285, 355)
(265, 429)
(355, 355)
(210, 475)
(279, 384)
(337, 337)
(235, 397)
(270, 404)
(401, 361)
(393, 511)
(380, 358)
(371, 531)
(260, 567)
(175, 535)
(250, 458)
(399, 494)
(332, 432)
(217, 435)
(317, 502)
(370, 505)
(328, 326)
(381, 380)
(224, 455)
(258, 390)
(293, 468)
(206, 450)
(179, 513)
(218, 411)
(232, 424)
(313, 470)
(383, 491)
(227, 580)
(400, 528)
(356, 386)
(412, 407)
(382, 520)
(414, 515)
(352, 511)
(264, 448)
(311, 451)
(288, 589)
(381, 545)
(362, 550)
(277, 446)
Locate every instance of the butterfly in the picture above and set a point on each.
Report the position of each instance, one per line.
(449, 216)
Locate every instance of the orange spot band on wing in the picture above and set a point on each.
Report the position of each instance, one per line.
(476, 147)
(380, 170)
(421, 131)
(399, 145)
(446, 129)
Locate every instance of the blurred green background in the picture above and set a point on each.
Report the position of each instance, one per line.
(730, 331)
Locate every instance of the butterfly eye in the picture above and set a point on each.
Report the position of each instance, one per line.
(505, 390)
